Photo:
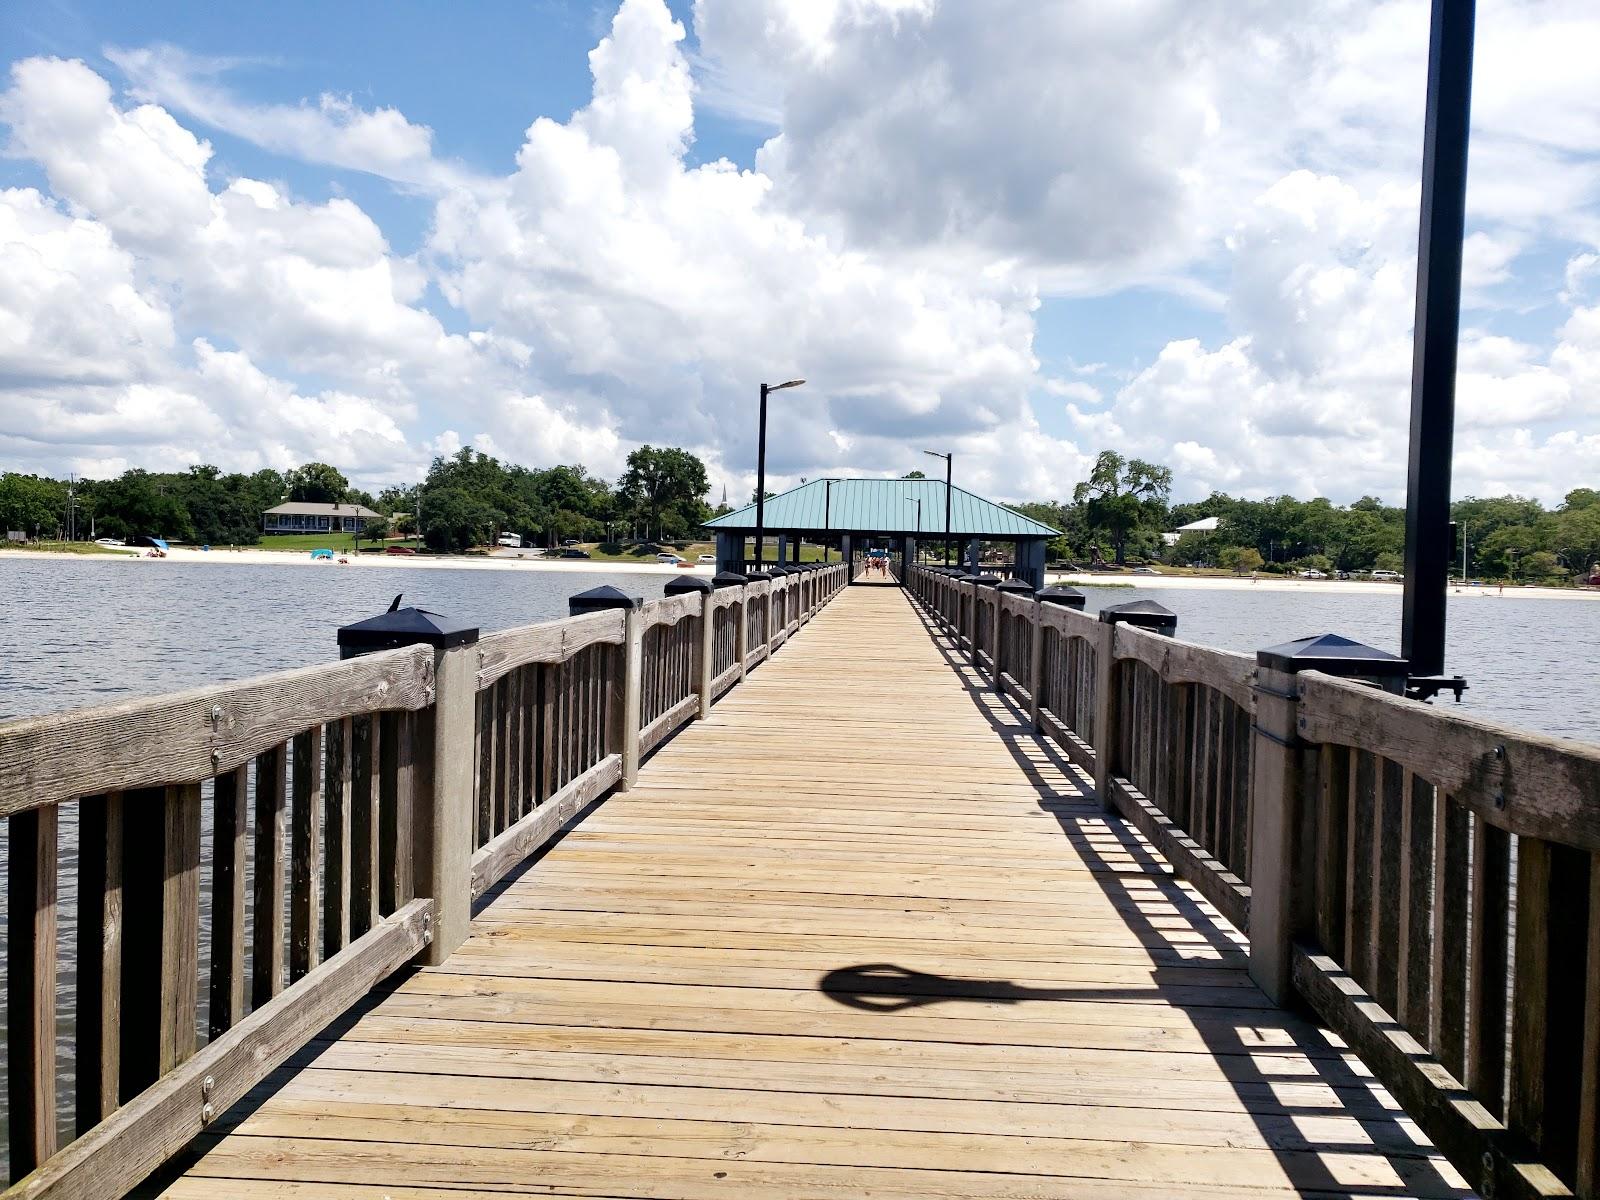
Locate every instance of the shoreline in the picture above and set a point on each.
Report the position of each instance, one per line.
(1285, 583)
(511, 560)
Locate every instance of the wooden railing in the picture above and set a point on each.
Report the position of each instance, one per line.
(336, 823)
(1427, 883)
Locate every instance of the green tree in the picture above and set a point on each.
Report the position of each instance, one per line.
(659, 479)
(31, 504)
(454, 520)
(317, 483)
(1122, 496)
(1541, 564)
(1240, 559)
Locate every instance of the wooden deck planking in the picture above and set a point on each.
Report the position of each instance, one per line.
(856, 934)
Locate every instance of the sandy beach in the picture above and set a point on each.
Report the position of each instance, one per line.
(1286, 583)
(524, 560)
(502, 560)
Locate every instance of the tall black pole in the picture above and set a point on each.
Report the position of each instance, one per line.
(949, 461)
(1438, 319)
(761, 478)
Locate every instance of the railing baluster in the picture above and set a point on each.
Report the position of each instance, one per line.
(549, 684)
(100, 938)
(337, 838)
(31, 883)
(1448, 1019)
(1416, 904)
(365, 826)
(1587, 1136)
(230, 829)
(1359, 888)
(180, 923)
(1333, 841)
(1487, 964)
(1388, 916)
(267, 956)
(305, 891)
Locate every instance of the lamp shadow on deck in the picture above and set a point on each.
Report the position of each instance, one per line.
(1284, 1072)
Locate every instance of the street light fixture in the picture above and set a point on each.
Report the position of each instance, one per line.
(761, 464)
(918, 502)
(949, 463)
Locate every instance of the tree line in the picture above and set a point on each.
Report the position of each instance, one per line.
(1119, 513)
(467, 499)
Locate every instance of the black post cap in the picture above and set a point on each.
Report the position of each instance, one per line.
(1015, 585)
(684, 584)
(986, 580)
(724, 579)
(1061, 593)
(1146, 614)
(600, 599)
(965, 578)
(757, 576)
(404, 627)
(1333, 655)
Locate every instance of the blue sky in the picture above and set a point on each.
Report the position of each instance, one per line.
(1197, 268)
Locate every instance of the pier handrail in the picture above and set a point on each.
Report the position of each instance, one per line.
(381, 796)
(1427, 883)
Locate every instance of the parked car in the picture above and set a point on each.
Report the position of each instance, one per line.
(1390, 576)
(569, 541)
(511, 540)
(1145, 571)
(108, 541)
(667, 556)
(399, 550)
(707, 560)
(1311, 573)
(571, 552)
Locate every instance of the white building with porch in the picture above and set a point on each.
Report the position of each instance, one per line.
(305, 517)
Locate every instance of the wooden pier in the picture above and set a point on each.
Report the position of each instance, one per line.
(912, 898)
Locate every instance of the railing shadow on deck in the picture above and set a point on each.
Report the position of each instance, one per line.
(1243, 1059)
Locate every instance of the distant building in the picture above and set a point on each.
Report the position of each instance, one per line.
(1203, 525)
(303, 517)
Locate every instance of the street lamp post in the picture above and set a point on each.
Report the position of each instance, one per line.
(918, 502)
(949, 463)
(761, 464)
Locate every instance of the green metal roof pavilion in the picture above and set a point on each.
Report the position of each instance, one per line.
(883, 506)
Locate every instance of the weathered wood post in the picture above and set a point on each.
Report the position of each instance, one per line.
(1011, 587)
(741, 626)
(1066, 597)
(624, 684)
(682, 586)
(1281, 774)
(443, 764)
(983, 627)
(1146, 614)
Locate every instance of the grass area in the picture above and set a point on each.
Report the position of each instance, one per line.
(339, 543)
(70, 548)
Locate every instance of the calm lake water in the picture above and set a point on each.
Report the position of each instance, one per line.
(82, 632)
(91, 631)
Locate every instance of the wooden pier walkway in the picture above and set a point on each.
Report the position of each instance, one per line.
(858, 933)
